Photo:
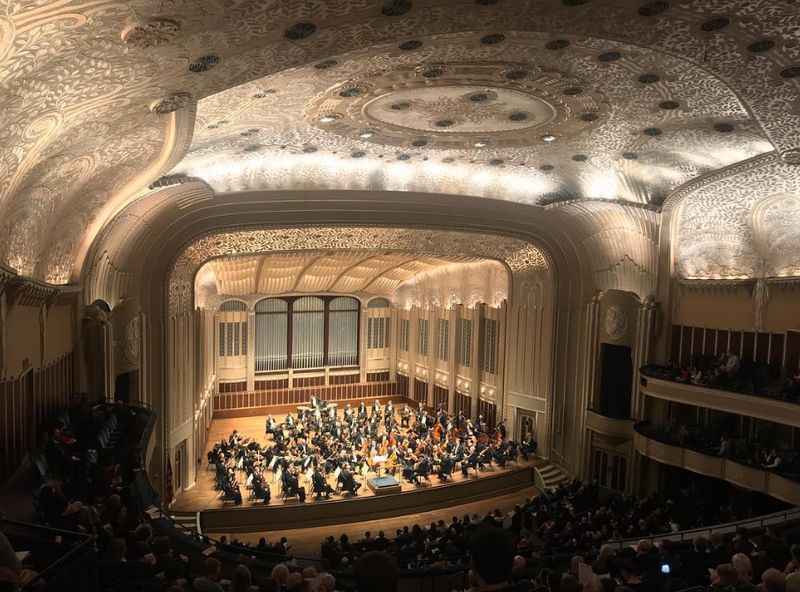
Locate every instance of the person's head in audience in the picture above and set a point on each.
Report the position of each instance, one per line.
(773, 581)
(212, 568)
(280, 575)
(241, 580)
(309, 573)
(743, 566)
(793, 582)
(569, 583)
(492, 554)
(325, 583)
(376, 571)
(117, 549)
(296, 583)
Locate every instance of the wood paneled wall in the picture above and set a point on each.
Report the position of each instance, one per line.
(26, 403)
(298, 396)
(777, 350)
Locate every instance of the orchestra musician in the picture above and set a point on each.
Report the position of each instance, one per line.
(317, 442)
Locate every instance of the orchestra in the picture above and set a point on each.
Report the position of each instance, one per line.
(318, 442)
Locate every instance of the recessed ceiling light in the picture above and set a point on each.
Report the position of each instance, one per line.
(548, 138)
(481, 144)
(366, 134)
(330, 118)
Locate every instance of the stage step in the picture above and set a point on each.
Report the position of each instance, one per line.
(186, 520)
(550, 476)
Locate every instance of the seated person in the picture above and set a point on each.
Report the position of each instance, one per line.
(773, 460)
(347, 481)
(321, 487)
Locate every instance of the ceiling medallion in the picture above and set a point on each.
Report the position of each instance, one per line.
(649, 78)
(300, 31)
(395, 7)
(724, 127)
(358, 154)
(153, 33)
(715, 24)
(557, 44)
(580, 158)
(609, 56)
(791, 156)
(761, 46)
(588, 117)
(546, 168)
(493, 39)
(669, 105)
(419, 143)
(309, 149)
(496, 161)
(204, 63)
(173, 102)
(403, 157)
(410, 45)
(630, 155)
(653, 8)
(790, 72)
(462, 100)
(652, 131)
(326, 64)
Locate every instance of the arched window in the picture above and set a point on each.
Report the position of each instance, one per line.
(272, 334)
(343, 332)
(232, 328)
(378, 303)
(308, 332)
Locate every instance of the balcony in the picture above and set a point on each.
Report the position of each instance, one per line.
(658, 446)
(656, 382)
(609, 426)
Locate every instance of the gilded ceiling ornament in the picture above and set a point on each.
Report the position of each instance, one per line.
(152, 33)
(454, 101)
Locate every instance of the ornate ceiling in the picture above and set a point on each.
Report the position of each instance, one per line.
(367, 272)
(642, 99)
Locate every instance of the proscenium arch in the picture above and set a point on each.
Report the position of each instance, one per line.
(142, 249)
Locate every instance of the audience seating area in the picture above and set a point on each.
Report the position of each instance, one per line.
(102, 528)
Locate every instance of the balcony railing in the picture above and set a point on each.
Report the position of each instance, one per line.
(661, 383)
(696, 455)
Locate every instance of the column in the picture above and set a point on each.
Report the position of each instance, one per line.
(394, 338)
(3, 313)
(251, 351)
(500, 389)
(413, 322)
(362, 344)
(589, 383)
(475, 357)
(452, 357)
(641, 352)
(433, 334)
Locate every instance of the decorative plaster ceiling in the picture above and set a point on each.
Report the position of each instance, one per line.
(458, 116)
(367, 272)
(415, 252)
(97, 101)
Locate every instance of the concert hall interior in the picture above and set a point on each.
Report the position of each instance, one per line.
(522, 276)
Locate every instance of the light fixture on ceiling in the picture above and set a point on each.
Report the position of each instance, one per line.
(328, 118)
(548, 138)
(481, 144)
(366, 134)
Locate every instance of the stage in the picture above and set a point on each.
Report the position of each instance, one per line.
(218, 516)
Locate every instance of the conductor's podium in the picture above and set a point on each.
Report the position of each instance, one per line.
(383, 485)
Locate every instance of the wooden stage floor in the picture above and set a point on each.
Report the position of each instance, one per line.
(203, 496)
